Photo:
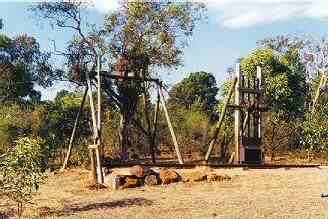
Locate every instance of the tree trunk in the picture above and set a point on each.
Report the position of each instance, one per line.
(124, 138)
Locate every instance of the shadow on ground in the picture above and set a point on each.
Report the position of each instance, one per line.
(79, 208)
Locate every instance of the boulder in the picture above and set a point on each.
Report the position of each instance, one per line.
(151, 180)
(130, 182)
(169, 176)
(113, 181)
(140, 171)
(212, 177)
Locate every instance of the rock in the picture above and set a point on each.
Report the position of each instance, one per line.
(195, 176)
(212, 177)
(169, 176)
(113, 181)
(130, 182)
(140, 171)
(151, 180)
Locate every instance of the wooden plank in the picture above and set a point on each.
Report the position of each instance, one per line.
(174, 139)
(219, 124)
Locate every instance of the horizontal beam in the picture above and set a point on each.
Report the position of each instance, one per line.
(250, 91)
(116, 77)
(234, 106)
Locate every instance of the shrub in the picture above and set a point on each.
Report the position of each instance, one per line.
(22, 170)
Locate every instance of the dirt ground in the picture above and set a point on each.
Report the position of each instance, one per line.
(255, 193)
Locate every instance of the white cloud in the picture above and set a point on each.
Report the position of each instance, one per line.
(246, 13)
(105, 5)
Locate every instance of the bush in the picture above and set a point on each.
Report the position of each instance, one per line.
(315, 131)
(22, 170)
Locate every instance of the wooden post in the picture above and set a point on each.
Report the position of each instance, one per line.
(176, 146)
(95, 131)
(237, 116)
(259, 122)
(68, 154)
(219, 124)
(99, 106)
(99, 154)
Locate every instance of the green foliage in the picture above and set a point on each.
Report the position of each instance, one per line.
(280, 135)
(54, 122)
(192, 128)
(198, 91)
(315, 129)
(22, 169)
(284, 79)
(22, 65)
(153, 32)
(14, 122)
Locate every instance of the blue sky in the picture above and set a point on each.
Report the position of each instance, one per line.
(231, 31)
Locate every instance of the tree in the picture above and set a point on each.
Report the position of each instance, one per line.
(198, 91)
(144, 35)
(22, 65)
(284, 79)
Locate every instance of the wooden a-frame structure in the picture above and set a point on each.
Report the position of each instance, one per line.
(95, 148)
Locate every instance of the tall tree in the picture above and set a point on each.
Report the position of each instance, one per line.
(284, 78)
(143, 35)
(197, 91)
(22, 65)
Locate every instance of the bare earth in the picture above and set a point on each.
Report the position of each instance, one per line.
(269, 193)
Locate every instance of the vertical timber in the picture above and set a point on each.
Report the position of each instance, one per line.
(237, 116)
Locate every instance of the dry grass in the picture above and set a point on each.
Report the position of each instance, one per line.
(274, 193)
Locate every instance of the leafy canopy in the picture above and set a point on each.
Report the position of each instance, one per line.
(196, 91)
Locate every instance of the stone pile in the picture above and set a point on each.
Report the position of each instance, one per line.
(138, 175)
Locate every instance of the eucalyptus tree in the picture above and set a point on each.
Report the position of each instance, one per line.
(197, 91)
(23, 65)
(145, 35)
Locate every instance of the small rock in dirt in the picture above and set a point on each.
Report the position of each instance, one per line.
(169, 176)
(151, 180)
(140, 171)
(212, 177)
(130, 182)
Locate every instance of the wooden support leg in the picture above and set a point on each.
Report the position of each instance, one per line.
(322, 84)
(68, 154)
(176, 146)
(99, 174)
(93, 168)
(219, 124)
(237, 117)
(155, 127)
